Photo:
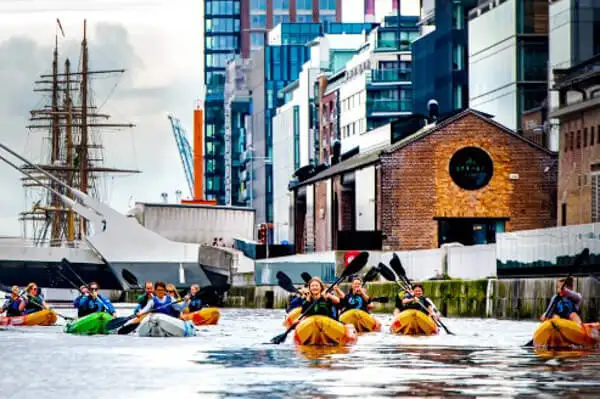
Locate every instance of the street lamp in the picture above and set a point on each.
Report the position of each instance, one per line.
(266, 160)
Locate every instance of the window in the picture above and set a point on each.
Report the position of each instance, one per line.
(303, 4)
(566, 142)
(327, 4)
(327, 18)
(595, 197)
(258, 5)
(304, 18)
(572, 141)
(585, 136)
(257, 40)
(533, 60)
(280, 19)
(457, 16)
(592, 135)
(281, 4)
(579, 139)
(258, 21)
(598, 133)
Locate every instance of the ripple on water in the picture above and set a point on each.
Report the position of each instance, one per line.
(231, 359)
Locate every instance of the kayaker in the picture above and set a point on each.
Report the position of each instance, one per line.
(412, 299)
(143, 299)
(567, 302)
(325, 302)
(14, 304)
(172, 291)
(34, 302)
(93, 302)
(196, 302)
(83, 290)
(163, 303)
(357, 298)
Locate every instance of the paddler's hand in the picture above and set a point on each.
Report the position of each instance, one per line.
(114, 314)
(186, 298)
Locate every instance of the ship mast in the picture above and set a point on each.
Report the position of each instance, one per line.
(70, 147)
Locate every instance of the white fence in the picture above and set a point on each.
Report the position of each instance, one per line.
(473, 262)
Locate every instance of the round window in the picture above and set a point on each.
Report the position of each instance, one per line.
(471, 168)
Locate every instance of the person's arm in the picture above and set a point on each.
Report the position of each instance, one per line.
(339, 292)
(149, 306)
(408, 300)
(332, 298)
(180, 306)
(363, 294)
(109, 306)
(22, 306)
(574, 296)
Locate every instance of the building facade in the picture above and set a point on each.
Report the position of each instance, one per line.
(508, 56)
(579, 115)
(479, 179)
(233, 27)
(440, 56)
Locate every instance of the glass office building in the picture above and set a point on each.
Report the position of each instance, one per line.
(234, 27)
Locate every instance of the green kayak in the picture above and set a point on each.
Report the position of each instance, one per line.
(91, 324)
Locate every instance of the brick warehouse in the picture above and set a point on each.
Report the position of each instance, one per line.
(462, 180)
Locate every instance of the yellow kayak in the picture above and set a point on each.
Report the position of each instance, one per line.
(562, 333)
(203, 317)
(414, 322)
(46, 317)
(361, 320)
(322, 330)
(291, 317)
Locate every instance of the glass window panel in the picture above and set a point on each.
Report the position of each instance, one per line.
(258, 21)
(303, 4)
(327, 18)
(304, 18)
(281, 4)
(257, 40)
(280, 19)
(327, 4)
(260, 5)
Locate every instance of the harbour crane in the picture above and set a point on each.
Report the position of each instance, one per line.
(185, 151)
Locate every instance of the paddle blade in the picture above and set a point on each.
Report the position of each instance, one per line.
(130, 278)
(386, 272)
(306, 277)
(280, 338)
(371, 274)
(285, 282)
(396, 264)
(356, 265)
(528, 344)
(128, 328)
(582, 257)
(380, 299)
(118, 322)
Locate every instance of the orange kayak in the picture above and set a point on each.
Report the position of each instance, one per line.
(562, 333)
(203, 317)
(291, 317)
(45, 317)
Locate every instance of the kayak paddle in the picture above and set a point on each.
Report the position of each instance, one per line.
(65, 261)
(576, 263)
(285, 282)
(371, 274)
(118, 322)
(389, 275)
(8, 289)
(355, 266)
(380, 299)
(306, 277)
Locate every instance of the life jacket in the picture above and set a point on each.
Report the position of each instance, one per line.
(34, 304)
(142, 300)
(564, 307)
(165, 307)
(295, 302)
(355, 301)
(87, 306)
(12, 310)
(321, 308)
(196, 303)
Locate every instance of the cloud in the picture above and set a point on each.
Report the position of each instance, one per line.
(149, 147)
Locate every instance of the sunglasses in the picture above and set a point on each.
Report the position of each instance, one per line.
(171, 292)
(94, 289)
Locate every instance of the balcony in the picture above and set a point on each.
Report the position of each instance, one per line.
(388, 106)
(392, 45)
(403, 75)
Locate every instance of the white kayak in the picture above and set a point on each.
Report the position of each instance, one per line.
(161, 325)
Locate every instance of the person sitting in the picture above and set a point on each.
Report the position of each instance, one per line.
(324, 303)
(143, 299)
(83, 290)
(567, 302)
(172, 291)
(14, 305)
(34, 302)
(94, 302)
(163, 303)
(357, 298)
(196, 300)
(415, 299)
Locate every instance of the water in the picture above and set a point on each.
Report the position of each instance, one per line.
(231, 360)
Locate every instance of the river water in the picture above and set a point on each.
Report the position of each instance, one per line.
(231, 359)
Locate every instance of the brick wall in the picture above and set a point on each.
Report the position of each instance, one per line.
(579, 152)
(417, 187)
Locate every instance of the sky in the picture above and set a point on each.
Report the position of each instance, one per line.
(158, 42)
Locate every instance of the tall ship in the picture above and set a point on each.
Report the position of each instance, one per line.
(70, 234)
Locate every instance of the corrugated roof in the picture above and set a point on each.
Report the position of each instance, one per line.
(356, 162)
